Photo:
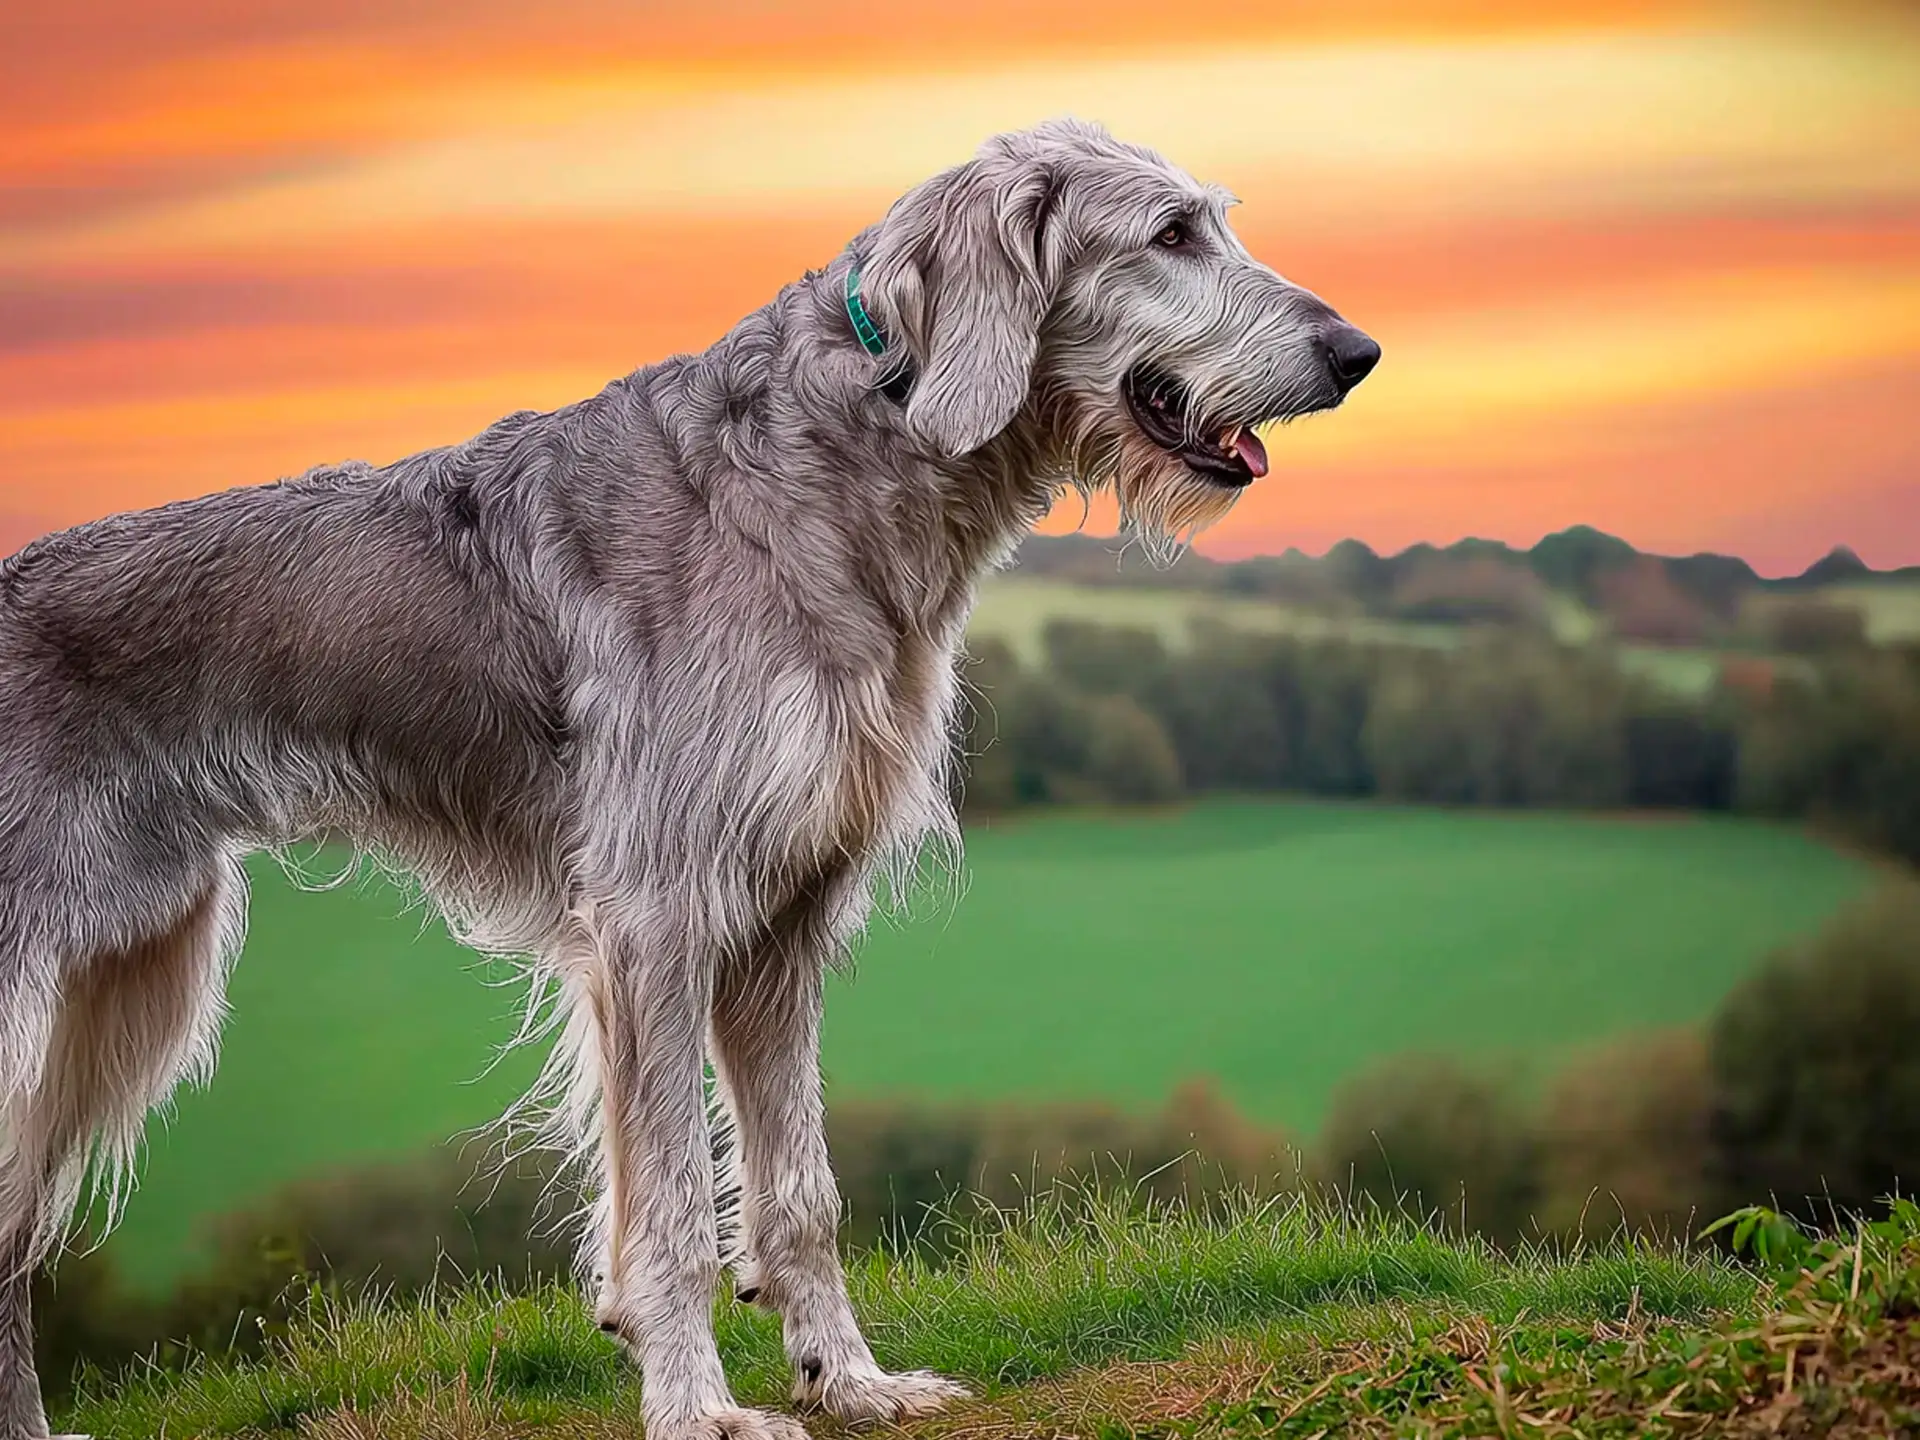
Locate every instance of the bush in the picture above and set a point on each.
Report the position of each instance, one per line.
(1623, 1137)
(400, 1225)
(1119, 718)
(1029, 739)
(1843, 749)
(1219, 710)
(1427, 1135)
(900, 1165)
(1815, 1066)
(984, 769)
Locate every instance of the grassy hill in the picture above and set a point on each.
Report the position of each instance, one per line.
(1297, 1318)
(1278, 947)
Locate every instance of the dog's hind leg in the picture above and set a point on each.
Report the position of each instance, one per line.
(127, 1026)
(766, 1032)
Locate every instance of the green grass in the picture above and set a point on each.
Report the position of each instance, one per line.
(1070, 1284)
(1832, 1348)
(1085, 1315)
(1275, 946)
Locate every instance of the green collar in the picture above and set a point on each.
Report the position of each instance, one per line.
(864, 329)
(900, 381)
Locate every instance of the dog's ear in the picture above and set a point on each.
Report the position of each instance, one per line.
(963, 269)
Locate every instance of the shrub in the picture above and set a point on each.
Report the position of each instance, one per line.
(900, 1164)
(1844, 749)
(1679, 756)
(1427, 1135)
(1471, 590)
(1815, 1065)
(1219, 711)
(1623, 1137)
(1101, 659)
(399, 1225)
(1502, 720)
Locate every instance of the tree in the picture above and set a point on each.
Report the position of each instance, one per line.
(1574, 560)
(1623, 1138)
(1104, 659)
(1429, 1136)
(1129, 760)
(1816, 1068)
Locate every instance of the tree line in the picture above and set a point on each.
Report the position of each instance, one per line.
(1580, 562)
(1117, 716)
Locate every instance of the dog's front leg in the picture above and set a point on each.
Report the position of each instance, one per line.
(660, 1255)
(766, 1025)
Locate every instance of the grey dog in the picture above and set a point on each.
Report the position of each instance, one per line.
(651, 689)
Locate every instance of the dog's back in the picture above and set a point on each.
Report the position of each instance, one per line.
(341, 651)
(345, 651)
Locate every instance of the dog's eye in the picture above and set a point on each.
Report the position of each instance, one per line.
(1173, 235)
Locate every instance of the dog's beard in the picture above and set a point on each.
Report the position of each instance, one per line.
(1162, 499)
(1164, 503)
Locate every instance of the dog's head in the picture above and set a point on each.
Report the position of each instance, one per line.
(1094, 293)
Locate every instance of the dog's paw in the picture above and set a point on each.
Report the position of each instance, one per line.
(873, 1394)
(730, 1424)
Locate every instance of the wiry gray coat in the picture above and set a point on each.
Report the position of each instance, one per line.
(645, 688)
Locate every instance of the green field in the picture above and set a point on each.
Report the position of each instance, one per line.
(1016, 609)
(1274, 946)
(1892, 609)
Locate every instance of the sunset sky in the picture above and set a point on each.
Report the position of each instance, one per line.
(1648, 266)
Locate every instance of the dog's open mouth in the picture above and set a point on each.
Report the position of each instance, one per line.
(1227, 454)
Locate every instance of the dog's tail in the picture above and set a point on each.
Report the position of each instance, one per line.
(29, 1001)
(87, 1048)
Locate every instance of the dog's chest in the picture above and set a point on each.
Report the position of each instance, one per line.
(868, 771)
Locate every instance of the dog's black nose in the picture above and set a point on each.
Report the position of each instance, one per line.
(1351, 354)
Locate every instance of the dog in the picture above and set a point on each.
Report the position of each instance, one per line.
(651, 688)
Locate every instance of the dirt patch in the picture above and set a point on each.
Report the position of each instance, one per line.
(1863, 1392)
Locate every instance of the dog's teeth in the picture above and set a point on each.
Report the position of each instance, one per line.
(1230, 441)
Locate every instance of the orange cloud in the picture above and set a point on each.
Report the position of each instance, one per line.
(1602, 247)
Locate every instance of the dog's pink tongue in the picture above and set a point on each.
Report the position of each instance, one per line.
(1252, 452)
